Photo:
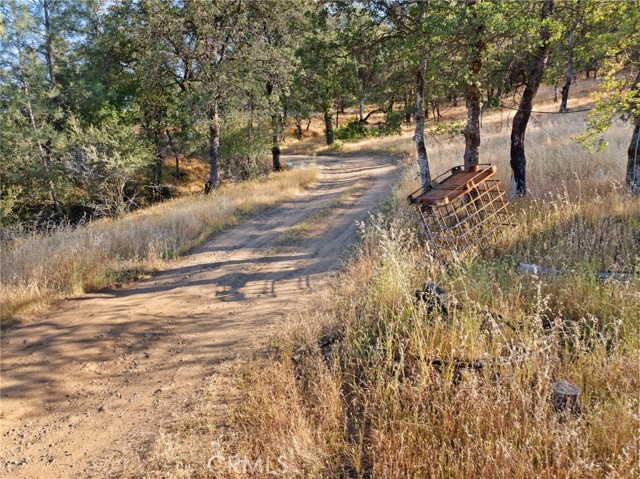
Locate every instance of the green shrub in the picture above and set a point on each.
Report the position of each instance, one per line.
(243, 149)
(392, 124)
(103, 161)
(353, 131)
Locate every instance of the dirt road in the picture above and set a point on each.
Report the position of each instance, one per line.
(110, 368)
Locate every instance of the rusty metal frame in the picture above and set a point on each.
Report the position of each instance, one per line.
(462, 218)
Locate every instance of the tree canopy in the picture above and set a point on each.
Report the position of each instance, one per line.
(96, 96)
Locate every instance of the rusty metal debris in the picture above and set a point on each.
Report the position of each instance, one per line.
(463, 211)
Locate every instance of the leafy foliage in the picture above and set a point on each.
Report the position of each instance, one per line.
(243, 148)
(103, 162)
(220, 81)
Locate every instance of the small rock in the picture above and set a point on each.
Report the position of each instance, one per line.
(102, 408)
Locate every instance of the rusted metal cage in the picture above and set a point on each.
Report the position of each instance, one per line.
(463, 211)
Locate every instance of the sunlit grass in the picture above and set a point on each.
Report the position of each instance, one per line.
(350, 388)
(372, 404)
(375, 404)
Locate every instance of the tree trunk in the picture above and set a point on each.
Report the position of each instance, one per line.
(48, 44)
(360, 91)
(275, 153)
(328, 126)
(632, 179)
(299, 128)
(276, 128)
(276, 122)
(284, 118)
(421, 149)
(214, 149)
(175, 155)
(521, 118)
(472, 134)
(490, 93)
(474, 97)
(590, 66)
(53, 82)
(372, 112)
(337, 117)
(44, 155)
(157, 171)
(569, 74)
(407, 112)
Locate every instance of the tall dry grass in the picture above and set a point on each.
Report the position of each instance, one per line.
(372, 404)
(40, 268)
(351, 389)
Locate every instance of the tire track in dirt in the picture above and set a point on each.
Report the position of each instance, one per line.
(78, 384)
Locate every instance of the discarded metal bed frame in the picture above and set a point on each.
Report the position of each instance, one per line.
(463, 211)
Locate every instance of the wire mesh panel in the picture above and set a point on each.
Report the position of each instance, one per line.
(463, 211)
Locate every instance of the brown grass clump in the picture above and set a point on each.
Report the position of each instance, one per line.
(351, 389)
(41, 268)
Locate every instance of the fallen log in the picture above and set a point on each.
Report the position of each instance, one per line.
(602, 276)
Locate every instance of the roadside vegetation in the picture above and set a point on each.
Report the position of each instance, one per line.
(350, 386)
(354, 388)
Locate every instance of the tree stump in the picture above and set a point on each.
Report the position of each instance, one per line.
(565, 398)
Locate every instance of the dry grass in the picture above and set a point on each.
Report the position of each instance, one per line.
(349, 389)
(373, 405)
(192, 170)
(39, 269)
(370, 403)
